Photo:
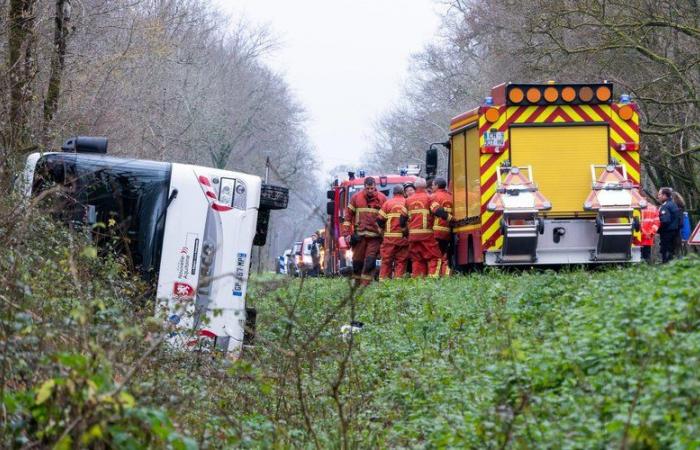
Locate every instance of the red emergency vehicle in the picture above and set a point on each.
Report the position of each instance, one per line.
(338, 254)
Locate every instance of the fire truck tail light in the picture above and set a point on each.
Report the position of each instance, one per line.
(625, 112)
(533, 95)
(568, 94)
(551, 94)
(585, 94)
(492, 114)
(516, 95)
(603, 93)
(628, 147)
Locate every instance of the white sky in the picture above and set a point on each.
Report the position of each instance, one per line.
(345, 60)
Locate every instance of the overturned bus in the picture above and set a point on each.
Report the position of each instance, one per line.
(188, 228)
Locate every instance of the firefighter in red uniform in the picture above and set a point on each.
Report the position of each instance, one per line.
(362, 232)
(441, 208)
(650, 226)
(423, 248)
(394, 249)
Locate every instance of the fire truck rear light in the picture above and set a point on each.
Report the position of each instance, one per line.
(603, 93)
(585, 94)
(491, 149)
(628, 147)
(568, 94)
(516, 95)
(625, 112)
(551, 94)
(533, 95)
(492, 114)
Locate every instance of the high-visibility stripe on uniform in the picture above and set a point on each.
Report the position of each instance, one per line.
(368, 233)
(440, 228)
(437, 269)
(420, 231)
(389, 234)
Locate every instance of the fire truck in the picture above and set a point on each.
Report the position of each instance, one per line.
(545, 174)
(189, 229)
(337, 253)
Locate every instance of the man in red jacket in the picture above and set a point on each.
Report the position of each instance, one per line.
(394, 249)
(362, 232)
(441, 208)
(423, 248)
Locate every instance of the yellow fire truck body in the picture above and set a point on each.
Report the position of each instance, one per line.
(563, 136)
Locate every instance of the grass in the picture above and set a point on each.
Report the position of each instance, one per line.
(541, 359)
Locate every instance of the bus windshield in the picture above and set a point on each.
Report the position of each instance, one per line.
(122, 200)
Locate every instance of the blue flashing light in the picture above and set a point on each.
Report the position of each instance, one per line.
(488, 101)
(625, 98)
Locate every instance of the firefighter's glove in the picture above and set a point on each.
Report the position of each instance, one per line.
(441, 213)
(354, 239)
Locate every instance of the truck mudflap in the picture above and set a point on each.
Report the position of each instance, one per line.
(615, 199)
(520, 202)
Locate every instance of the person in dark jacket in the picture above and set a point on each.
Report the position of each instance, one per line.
(669, 216)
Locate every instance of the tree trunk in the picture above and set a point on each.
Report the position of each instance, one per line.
(21, 70)
(58, 57)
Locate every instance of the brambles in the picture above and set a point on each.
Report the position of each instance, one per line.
(540, 359)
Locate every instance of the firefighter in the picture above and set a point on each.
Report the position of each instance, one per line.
(394, 249)
(669, 216)
(423, 248)
(408, 190)
(441, 208)
(650, 226)
(362, 232)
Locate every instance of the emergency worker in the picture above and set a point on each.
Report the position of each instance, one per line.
(441, 208)
(408, 190)
(649, 227)
(394, 249)
(362, 232)
(669, 217)
(423, 248)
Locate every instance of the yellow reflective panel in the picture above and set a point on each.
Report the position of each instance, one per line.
(561, 159)
(459, 182)
(473, 173)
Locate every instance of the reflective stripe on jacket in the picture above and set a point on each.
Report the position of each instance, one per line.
(361, 214)
(441, 227)
(420, 221)
(391, 212)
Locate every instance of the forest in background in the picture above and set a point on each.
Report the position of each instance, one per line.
(171, 80)
(648, 49)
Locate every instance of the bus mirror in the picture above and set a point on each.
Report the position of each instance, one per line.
(431, 162)
(273, 197)
(261, 227)
(330, 208)
(330, 195)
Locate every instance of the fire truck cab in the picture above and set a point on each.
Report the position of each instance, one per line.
(545, 174)
(337, 253)
(188, 228)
